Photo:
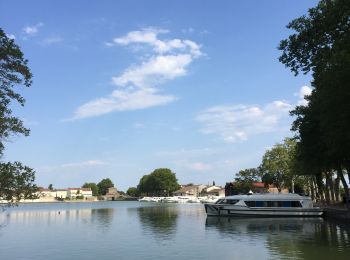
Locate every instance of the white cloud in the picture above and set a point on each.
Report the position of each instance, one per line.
(122, 100)
(304, 91)
(237, 123)
(84, 164)
(138, 86)
(32, 30)
(72, 165)
(199, 166)
(150, 36)
(52, 40)
(187, 30)
(155, 71)
(11, 36)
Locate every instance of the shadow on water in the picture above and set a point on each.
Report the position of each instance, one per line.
(161, 220)
(296, 238)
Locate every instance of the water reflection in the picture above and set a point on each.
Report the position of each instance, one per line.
(162, 220)
(305, 238)
(101, 217)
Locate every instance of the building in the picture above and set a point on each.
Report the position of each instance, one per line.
(112, 194)
(189, 190)
(213, 191)
(72, 193)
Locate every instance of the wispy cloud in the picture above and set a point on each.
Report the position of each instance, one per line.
(11, 36)
(52, 40)
(138, 86)
(238, 122)
(33, 29)
(84, 164)
(73, 165)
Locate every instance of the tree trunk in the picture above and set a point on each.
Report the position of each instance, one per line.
(328, 187)
(343, 181)
(336, 188)
(312, 187)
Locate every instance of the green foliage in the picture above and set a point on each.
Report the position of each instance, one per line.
(17, 182)
(50, 187)
(133, 192)
(245, 178)
(161, 182)
(320, 44)
(277, 164)
(79, 197)
(13, 71)
(92, 186)
(103, 186)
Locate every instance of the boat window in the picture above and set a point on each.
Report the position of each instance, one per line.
(273, 204)
(296, 204)
(250, 203)
(232, 201)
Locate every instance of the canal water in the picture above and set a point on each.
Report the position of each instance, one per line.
(134, 230)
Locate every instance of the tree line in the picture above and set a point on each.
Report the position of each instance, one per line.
(318, 156)
(160, 182)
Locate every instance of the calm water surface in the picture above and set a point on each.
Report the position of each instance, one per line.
(133, 230)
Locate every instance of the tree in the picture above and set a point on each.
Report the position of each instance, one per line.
(103, 186)
(320, 45)
(245, 178)
(13, 72)
(50, 187)
(161, 182)
(92, 186)
(133, 192)
(277, 165)
(16, 180)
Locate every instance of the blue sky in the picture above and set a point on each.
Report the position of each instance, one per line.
(124, 87)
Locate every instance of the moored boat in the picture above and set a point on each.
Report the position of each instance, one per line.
(264, 205)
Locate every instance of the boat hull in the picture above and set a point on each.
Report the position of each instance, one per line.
(222, 210)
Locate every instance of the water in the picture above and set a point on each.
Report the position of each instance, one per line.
(133, 230)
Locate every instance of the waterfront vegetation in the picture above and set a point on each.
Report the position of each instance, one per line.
(16, 179)
(317, 159)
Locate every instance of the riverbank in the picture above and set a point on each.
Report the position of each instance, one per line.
(337, 212)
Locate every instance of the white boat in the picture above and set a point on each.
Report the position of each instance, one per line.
(208, 199)
(263, 205)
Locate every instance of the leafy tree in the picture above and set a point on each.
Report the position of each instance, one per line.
(16, 180)
(161, 182)
(13, 72)
(103, 186)
(277, 164)
(50, 187)
(133, 192)
(320, 45)
(245, 178)
(92, 186)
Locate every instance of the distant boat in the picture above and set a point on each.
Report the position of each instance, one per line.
(263, 205)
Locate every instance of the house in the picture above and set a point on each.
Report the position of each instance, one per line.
(72, 193)
(189, 190)
(59, 193)
(213, 191)
(112, 194)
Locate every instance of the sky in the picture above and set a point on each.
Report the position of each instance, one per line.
(121, 88)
